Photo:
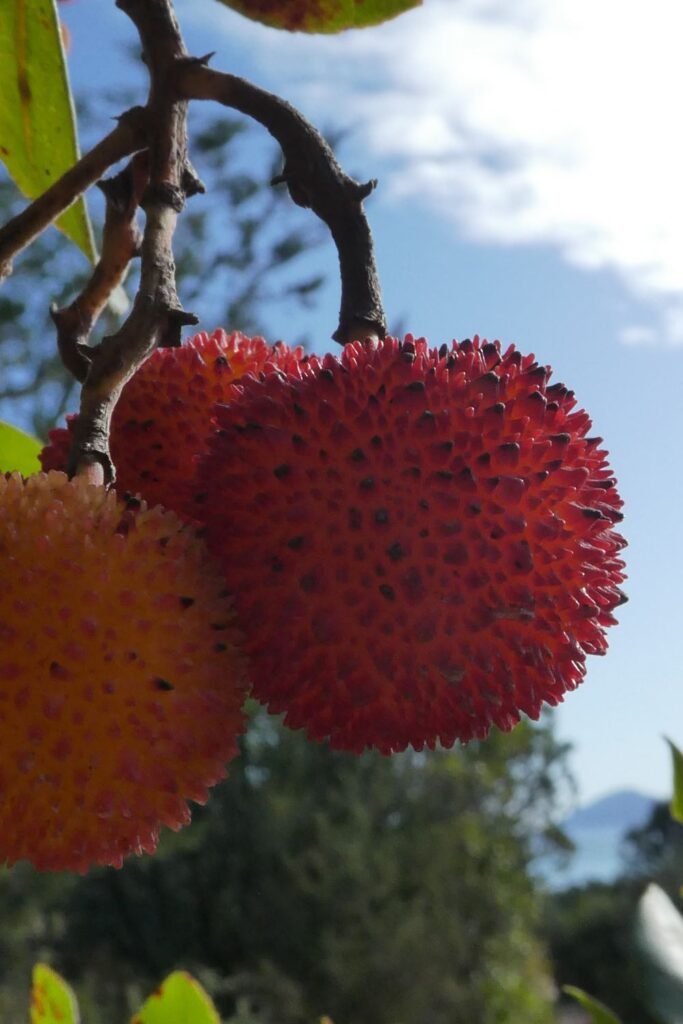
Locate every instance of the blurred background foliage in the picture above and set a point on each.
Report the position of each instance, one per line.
(374, 889)
(243, 254)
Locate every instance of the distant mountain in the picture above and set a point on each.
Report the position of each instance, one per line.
(623, 810)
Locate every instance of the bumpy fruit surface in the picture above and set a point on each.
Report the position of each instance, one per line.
(421, 543)
(162, 419)
(120, 687)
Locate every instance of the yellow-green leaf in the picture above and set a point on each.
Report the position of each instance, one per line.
(676, 805)
(52, 1001)
(321, 15)
(18, 451)
(37, 122)
(178, 1000)
(598, 1012)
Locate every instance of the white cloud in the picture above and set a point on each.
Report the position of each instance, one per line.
(557, 123)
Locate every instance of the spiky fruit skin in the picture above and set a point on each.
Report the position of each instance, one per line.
(161, 422)
(421, 544)
(120, 685)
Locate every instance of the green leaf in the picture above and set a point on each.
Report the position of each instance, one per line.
(18, 451)
(37, 121)
(52, 1001)
(599, 1014)
(321, 15)
(178, 1000)
(676, 805)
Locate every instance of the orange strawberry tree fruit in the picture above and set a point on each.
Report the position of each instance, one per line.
(398, 543)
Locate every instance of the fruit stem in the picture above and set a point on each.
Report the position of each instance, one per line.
(315, 181)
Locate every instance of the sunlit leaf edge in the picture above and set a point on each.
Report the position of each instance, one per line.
(41, 21)
(46, 978)
(335, 15)
(18, 451)
(598, 1011)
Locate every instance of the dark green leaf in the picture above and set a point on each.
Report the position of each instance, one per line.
(18, 451)
(37, 123)
(321, 15)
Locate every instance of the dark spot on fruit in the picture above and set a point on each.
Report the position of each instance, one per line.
(163, 684)
(221, 361)
(367, 483)
(427, 416)
(423, 533)
(57, 671)
(466, 345)
(220, 648)
(146, 424)
(489, 352)
(381, 516)
(132, 502)
(424, 504)
(277, 565)
(445, 474)
(387, 591)
(282, 471)
(326, 374)
(591, 513)
(358, 455)
(443, 351)
(474, 508)
(218, 626)
(186, 602)
(297, 439)
(295, 543)
(553, 407)
(298, 409)
(484, 459)
(395, 552)
(376, 441)
(416, 386)
(307, 582)
(559, 438)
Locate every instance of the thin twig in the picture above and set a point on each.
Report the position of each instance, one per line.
(315, 180)
(157, 316)
(128, 136)
(121, 241)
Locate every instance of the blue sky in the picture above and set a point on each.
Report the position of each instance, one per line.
(530, 171)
